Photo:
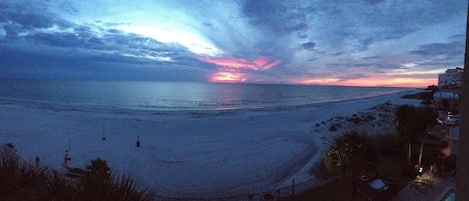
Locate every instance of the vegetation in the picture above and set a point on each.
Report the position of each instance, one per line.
(349, 155)
(334, 127)
(364, 118)
(18, 181)
(426, 96)
(27, 182)
(432, 88)
(412, 122)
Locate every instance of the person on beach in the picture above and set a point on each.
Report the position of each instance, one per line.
(36, 161)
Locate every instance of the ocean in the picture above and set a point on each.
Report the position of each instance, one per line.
(175, 96)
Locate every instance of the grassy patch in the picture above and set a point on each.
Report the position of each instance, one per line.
(421, 95)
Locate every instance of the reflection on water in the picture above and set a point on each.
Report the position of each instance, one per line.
(178, 95)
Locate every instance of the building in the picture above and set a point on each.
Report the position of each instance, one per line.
(452, 78)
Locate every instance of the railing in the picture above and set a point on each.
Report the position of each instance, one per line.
(6, 151)
(275, 194)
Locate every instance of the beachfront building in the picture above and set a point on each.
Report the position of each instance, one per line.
(451, 79)
(448, 99)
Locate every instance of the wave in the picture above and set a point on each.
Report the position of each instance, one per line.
(192, 108)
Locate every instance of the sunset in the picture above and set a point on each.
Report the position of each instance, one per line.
(355, 42)
(233, 100)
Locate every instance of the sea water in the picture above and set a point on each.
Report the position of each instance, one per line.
(175, 96)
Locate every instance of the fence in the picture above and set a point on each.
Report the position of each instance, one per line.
(6, 151)
(275, 194)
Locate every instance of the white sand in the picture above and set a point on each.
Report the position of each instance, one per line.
(197, 154)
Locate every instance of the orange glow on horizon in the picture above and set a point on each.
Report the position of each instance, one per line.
(260, 63)
(373, 82)
(229, 77)
(229, 68)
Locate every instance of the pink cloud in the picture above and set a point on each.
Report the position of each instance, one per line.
(371, 81)
(230, 67)
(265, 62)
(237, 63)
(260, 63)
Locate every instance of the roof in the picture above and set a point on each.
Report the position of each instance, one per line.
(446, 95)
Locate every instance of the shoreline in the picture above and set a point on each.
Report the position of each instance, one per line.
(187, 155)
(142, 109)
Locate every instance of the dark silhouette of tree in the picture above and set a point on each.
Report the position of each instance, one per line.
(412, 123)
(426, 117)
(348, 155)
(97, 183)
(20, 181)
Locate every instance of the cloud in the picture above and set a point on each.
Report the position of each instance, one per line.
(308, 45)
(18, 17)
(436, 49)
(242, 40)
(277, 17)
(340, 26)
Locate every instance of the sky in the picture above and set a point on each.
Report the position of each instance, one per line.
(352, 43)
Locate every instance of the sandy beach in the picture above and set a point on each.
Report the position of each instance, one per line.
(193, 154)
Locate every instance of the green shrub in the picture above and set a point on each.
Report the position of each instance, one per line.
(29, 183)
(335, 127)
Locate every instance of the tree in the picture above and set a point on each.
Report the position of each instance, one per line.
(403, 119)
(347, 155)
(19, 181)
(426, 117)
(412, 123)
(97, 183)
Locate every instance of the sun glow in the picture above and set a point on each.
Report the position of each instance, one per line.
(235, 69)
(229, 77)
(190, 40)
(260, 63)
